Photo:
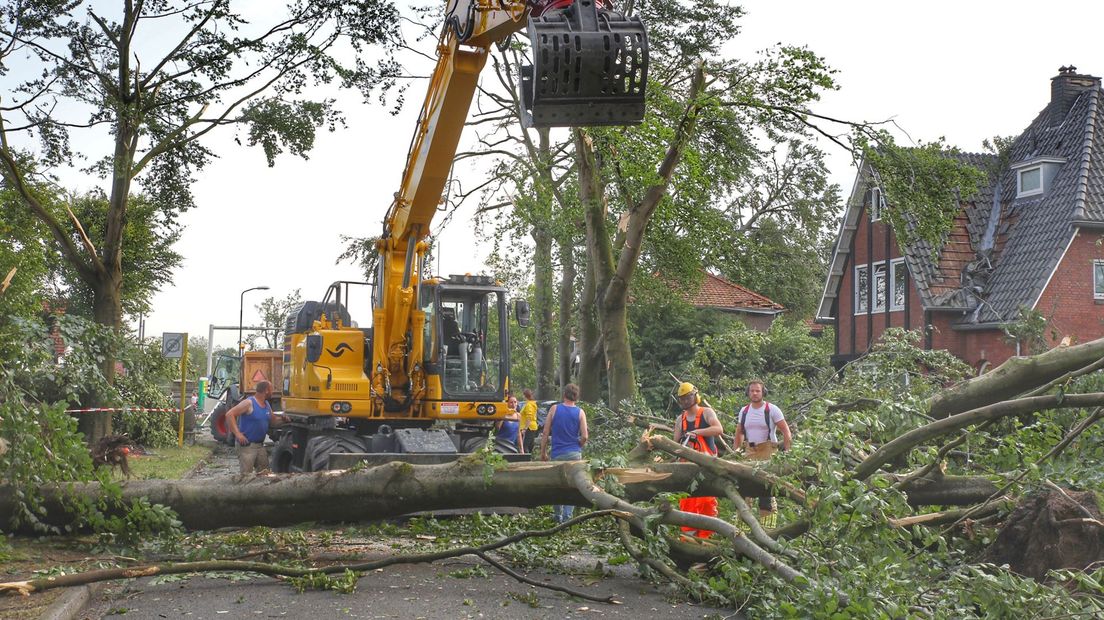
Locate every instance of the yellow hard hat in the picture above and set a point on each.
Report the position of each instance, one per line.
(685, 388)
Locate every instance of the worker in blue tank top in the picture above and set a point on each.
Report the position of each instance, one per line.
(565, 434)
(249, 421)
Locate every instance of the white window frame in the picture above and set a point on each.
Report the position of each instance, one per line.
(1098, 286)
(860, 292)
(875, 204)
(1020, 192)
(893, 307)
(890, 280)
(1048, 167)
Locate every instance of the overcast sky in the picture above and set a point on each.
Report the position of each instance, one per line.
(963, 70)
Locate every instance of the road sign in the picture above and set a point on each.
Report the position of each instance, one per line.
(172, 345)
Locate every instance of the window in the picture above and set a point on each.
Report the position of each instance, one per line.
(862, 281)
(471, 324)
(1098, 279)
(898, 280)
(879, 287)
(875, 204)
(1034, 176)
(1031, 181)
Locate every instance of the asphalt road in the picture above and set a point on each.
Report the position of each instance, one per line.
(427, 591)
(407, 591)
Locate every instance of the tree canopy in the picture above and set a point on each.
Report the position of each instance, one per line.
(128, 95)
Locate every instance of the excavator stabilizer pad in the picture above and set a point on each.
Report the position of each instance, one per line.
(416, 440)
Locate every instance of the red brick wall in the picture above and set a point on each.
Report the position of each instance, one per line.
(867, 330)
(980, 349)
(1067, 302)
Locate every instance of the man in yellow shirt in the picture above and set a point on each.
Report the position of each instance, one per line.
(529, 420)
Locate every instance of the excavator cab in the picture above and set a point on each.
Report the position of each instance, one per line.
(590, 66)
(473, 338)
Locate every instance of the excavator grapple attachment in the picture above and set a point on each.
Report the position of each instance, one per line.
(590, 67)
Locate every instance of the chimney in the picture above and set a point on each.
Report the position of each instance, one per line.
(1064, 90)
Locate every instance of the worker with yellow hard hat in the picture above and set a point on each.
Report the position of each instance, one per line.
(697, 427)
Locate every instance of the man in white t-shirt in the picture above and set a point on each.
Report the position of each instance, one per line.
(759, 423)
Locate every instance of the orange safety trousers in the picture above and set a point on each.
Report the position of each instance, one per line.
(700, 505)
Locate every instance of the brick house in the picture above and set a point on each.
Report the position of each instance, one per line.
(755, 310)
(1033, 238)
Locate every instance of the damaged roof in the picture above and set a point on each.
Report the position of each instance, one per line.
(1002, 249)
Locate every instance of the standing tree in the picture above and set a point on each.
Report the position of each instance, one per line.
(712, 123)
(70, 67)
(274, 315)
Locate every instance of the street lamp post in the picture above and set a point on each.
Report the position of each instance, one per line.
(241, 317)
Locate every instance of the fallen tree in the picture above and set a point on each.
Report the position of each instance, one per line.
(396, 489)
(1019, 376)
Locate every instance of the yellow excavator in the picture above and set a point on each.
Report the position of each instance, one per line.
(431, 376)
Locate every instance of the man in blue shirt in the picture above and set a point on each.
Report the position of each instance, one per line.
(255, 413)
(565, 432)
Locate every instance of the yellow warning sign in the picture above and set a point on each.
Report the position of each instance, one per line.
(259, 376)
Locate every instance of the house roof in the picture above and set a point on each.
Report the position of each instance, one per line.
(1002, 250)
(1040, 228)
(938, 275)
(717, 292)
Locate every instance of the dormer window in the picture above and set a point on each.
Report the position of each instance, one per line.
(1031, 181)
(1034, 176)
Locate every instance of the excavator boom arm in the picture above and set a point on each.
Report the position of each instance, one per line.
(589, 68)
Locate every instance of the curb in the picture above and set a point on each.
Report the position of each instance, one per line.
(70, 603)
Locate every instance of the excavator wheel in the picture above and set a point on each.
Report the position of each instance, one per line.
(320, 447)
(283, 455)
(475, 444)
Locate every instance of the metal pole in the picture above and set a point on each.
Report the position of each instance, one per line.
(210, 349)
(183, 391)
(241, 318)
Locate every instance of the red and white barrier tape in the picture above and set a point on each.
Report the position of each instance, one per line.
(114, 409)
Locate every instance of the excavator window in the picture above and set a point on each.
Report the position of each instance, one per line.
(471, 339)
(429, 304)
(450, 330)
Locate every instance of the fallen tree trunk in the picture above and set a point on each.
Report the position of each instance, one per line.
(396, 489)
(909, 440)
(1015, 377)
